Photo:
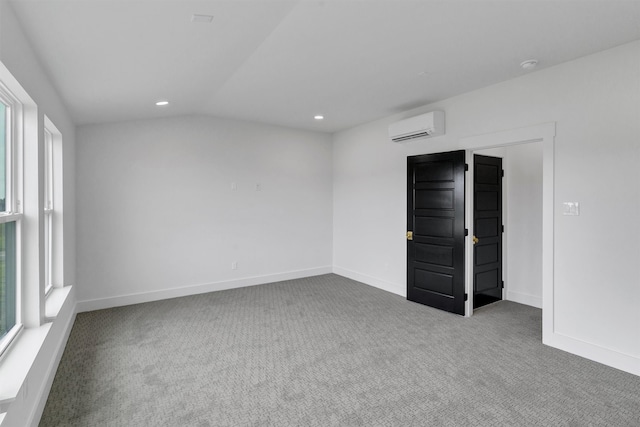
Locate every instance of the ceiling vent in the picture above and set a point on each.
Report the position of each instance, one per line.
(422, 126)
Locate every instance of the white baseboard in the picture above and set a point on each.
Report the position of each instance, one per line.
(525, 299)
(119, 301)
(606, 356)
(371, 281)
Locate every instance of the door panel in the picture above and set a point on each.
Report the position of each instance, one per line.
(486, 200)
(487, 174)
(430, 281)
(437, 171)
(438, 255)
(435, 215)
(487, 254)
(433, 227)
(487, 227)
(486, 280)
(433, 199)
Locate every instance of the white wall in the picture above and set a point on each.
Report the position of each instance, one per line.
(595, 102)
(18, 57)
(523, 179)
(157, 215)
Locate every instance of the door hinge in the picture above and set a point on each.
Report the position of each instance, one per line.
(466, 231)
(502, 173)
(503, 228)
(502, 284)
(466, 297)
(466, 167)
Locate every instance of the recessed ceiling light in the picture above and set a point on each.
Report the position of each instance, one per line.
(162, 103)
(201, 18)
(318, 117)
(529, 64)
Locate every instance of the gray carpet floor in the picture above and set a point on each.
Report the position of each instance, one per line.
(326, 351)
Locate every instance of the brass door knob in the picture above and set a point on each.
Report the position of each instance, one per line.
(409, 235)
(475, 240)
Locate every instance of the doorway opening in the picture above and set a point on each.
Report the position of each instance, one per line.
(540, 138)
(520, 248)
(517, 146)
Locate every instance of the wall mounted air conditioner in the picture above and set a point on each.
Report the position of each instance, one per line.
(422, 126)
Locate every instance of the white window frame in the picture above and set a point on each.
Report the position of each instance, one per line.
(53, 209)
(13, 187)
(48, 211)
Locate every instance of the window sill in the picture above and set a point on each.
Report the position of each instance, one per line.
(21, 355)
(16, 363)
(55, 300)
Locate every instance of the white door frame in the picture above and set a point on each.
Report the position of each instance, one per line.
(545, 134)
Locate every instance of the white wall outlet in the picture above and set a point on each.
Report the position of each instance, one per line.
(234, 265)
(234, 186)
(571, 208)
(258, 187)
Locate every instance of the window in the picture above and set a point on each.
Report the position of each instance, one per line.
(48, 211)
(7, 289)
(10, 320)
(7, 277)
(4, 136)
(53, 276)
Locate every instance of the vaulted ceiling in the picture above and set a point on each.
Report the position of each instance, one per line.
(284, 61)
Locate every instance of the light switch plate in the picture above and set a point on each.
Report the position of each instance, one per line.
(571, 208)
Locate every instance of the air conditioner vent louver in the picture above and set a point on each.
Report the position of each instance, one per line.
(414, 136)
(422, 126)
